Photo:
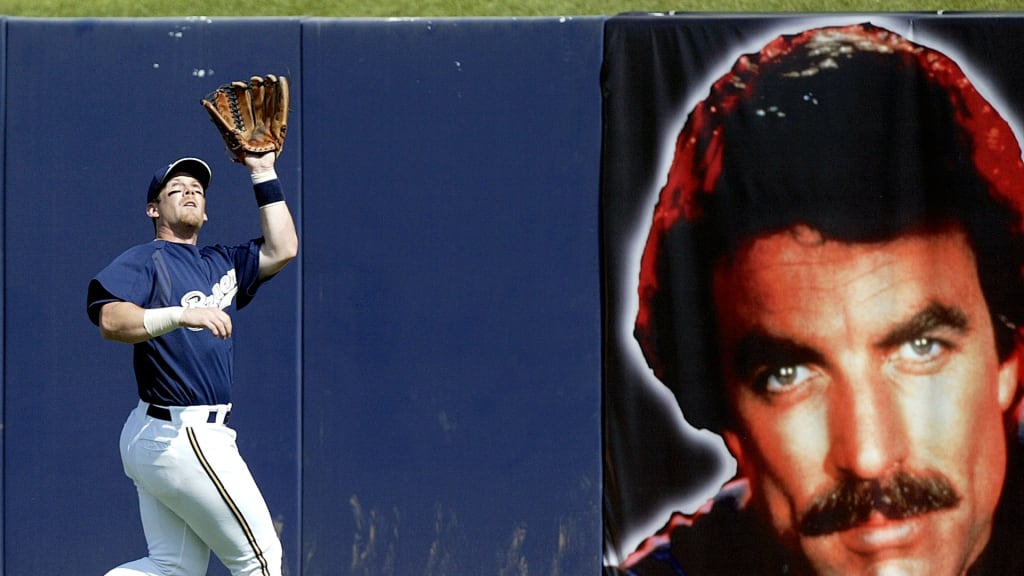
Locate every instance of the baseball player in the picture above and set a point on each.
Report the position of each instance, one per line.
(171, 300)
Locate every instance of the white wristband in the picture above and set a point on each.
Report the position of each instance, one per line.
(160, 321)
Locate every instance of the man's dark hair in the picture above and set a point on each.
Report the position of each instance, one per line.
(853, 131)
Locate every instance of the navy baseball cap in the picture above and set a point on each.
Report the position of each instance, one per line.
(194, 167)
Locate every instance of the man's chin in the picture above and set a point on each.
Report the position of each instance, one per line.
(898, 567)
(192, 225)
(882, 565)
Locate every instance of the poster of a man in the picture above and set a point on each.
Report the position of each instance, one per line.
(831, 283)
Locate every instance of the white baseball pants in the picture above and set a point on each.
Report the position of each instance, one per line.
(196, 494)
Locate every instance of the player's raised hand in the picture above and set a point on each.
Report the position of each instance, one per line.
(213, 319)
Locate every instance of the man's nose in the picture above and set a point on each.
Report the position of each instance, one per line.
(867, 429)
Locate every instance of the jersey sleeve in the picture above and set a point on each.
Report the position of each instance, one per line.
(129, 278)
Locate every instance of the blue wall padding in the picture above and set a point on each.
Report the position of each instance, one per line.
(433, 357)
(450, 281)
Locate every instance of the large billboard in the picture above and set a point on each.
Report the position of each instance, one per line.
(812, 279)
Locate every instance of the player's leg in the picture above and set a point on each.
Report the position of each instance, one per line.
(225, 507)
(148, 451)
(174, 549)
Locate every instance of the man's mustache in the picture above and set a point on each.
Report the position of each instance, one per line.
(852, 501)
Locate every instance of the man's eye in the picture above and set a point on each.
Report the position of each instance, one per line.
(921, 348)
(783, 378)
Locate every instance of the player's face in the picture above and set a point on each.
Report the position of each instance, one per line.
(182, 202)
(869, 398)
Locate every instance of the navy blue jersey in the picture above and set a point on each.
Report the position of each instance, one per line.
(185, 367)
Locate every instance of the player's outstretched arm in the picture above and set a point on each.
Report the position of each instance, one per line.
(129, 323)
(280, 241)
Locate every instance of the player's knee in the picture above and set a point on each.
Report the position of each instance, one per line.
(265, 559)
(273, 556)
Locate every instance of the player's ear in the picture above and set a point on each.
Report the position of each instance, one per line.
(152, 211)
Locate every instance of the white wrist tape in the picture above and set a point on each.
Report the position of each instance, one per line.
(260, 177)
(160, 321)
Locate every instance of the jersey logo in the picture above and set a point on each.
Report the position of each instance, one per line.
(221, 294)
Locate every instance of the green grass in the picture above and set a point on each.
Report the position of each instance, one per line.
(439, 8)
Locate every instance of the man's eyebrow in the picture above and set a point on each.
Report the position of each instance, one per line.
(934, 316)
(757, 349)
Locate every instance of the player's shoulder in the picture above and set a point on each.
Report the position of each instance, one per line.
(231, 253)
(136, 255)
(213, 250)
(151, 255)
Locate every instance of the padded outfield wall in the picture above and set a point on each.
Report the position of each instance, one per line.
(420, 392)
